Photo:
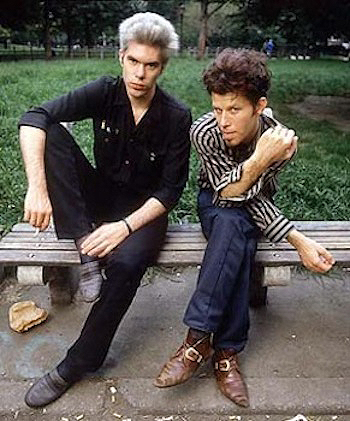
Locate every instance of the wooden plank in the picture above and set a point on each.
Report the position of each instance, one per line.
(41, 246)
(184, 244)
(322, 225)
(302, 225)
(58, 246)
(184, 257)
(268, 258)
(178, 237)
(45, 258)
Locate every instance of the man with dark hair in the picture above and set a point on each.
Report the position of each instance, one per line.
(116, 212)
(241, 150)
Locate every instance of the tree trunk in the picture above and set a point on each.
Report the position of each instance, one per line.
(203, 31)
(69, 36)
(47, 33)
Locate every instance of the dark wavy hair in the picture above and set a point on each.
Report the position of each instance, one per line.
(238, 70)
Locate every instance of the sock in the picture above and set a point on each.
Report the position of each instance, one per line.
(91, 279)
(197, 334)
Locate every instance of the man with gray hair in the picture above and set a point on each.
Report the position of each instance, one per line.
(116, 212)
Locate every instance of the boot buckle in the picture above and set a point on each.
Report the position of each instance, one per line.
(193, 355)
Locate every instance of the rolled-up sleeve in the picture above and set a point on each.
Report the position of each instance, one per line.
(274, 225)
(176, 163)
(76, 105)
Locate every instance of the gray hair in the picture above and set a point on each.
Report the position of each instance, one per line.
(150, 29)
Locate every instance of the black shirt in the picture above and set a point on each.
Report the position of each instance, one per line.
(150, 159)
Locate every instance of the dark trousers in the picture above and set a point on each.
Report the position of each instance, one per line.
(220, 303)
(82, 199)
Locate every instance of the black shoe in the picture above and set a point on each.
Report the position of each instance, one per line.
(46, 390)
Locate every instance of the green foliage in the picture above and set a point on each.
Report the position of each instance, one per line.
(314, 186)
(293, 80)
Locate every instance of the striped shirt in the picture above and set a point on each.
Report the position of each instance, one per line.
(221, 165)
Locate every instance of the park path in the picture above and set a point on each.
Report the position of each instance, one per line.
(297, 360)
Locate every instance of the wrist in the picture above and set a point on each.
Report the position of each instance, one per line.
(38, 187)
(296, 238)
(258, 163)
(128, 226)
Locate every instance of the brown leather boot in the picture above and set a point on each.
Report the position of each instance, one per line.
(228, 377)
(191, 354)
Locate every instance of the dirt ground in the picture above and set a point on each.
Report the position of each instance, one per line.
(335, 109)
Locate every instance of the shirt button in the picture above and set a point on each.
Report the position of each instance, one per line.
(127, 162)
(131, 140)
(106, 139)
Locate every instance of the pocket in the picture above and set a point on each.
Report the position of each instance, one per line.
(148, 168)
(106, 148)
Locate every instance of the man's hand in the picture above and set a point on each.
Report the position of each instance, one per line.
(313, 256)
(276, 144)
(37, 208)
(104, 239)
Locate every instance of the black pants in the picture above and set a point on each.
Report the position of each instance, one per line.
(81, 198)
(220, 303)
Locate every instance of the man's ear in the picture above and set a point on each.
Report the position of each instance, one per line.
(121, 56)
(261, 105)
(163, 66)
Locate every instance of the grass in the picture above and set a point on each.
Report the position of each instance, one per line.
(314, 186)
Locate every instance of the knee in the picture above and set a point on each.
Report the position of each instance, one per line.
(57, 136)
(236, 221)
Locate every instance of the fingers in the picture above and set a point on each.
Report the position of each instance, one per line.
(46, 222)
(293, 147)
(104, 239)
(100, 250)
(326, 256)
(37, 209)
(90, 243)
(322, 261)
(321, 266)
(39, 220)
(284, 134)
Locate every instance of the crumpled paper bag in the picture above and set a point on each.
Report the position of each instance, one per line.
(24, 315)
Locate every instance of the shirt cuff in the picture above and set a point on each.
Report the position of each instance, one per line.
(34, 119)
(278, 229)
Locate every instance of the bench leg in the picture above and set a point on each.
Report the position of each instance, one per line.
(62, 282)
(30, 275)
(2, 273)
(257, 290)
(277, 275)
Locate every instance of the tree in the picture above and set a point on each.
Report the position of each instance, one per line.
(205, 15)
(4, 35)
(297, 20)
(87, 21)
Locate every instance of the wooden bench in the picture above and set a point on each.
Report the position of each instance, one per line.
(42, 258)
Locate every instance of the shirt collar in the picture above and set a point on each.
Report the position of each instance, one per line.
(155, 108)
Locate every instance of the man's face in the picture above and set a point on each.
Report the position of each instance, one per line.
(236, 116)
(141, 67)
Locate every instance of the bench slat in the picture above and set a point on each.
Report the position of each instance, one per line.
(184, 244)
(180, 234)
(302, 225)
(70, 246)
(182, 257)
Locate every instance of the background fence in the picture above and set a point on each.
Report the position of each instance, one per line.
(24, 52)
